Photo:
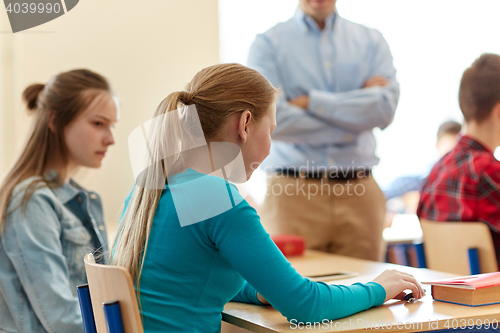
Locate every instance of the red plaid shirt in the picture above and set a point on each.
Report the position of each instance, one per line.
(464, 186)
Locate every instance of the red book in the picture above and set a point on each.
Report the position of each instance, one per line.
(471, 282)
(290, 245)
(473, 290)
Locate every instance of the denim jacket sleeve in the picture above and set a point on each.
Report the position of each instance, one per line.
(32, 241)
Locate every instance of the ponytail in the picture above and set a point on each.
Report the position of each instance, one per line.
(30, 95)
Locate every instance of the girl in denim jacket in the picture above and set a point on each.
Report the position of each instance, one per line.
(47, 221)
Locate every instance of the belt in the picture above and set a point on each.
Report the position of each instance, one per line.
(342, 174)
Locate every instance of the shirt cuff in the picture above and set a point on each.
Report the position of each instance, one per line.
(247, 294)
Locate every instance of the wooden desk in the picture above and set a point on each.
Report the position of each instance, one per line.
(422, 315)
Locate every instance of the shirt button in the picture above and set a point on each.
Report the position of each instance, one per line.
(348, 137)
(323, 39)
(331, 161)
(83, 234)
(93, 196)
(79, 199)
(320, 110)
(328, 64)
(101, 227)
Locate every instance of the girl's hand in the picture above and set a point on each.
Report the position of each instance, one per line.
(396, 282)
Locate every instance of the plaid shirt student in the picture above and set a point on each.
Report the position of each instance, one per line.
(464, 186)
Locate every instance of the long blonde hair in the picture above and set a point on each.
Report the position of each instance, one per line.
(217, 92)
(55, 105)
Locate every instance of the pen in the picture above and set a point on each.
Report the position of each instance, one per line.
(409, 297)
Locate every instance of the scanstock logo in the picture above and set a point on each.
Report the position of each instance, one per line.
(26, 14)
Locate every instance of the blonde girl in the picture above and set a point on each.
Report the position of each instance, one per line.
(186, 274)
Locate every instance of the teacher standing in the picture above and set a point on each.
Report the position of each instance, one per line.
(338, 84)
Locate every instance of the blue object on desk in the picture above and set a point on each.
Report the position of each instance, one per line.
(475, 267)
(419, 249)
(86, 308)
(113, 317)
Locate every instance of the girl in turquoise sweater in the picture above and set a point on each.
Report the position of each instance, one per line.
(192, 243)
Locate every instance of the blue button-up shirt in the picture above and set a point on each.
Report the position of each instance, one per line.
(41, 257)
(330, 65)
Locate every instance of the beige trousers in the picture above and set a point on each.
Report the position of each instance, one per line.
(338, 216)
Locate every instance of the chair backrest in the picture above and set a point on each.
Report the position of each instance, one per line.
(109, 283)
(446, 246)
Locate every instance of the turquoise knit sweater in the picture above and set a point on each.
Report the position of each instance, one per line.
(191, 272)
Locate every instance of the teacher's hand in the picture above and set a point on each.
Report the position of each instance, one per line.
(301, 101)
(374, 81)
(396, 282)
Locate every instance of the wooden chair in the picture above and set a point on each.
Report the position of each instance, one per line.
(447, 245)
(112, 283)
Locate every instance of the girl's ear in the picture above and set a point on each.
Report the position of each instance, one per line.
(243, 125)
(52, 119)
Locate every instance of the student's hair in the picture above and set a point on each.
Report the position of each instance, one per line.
(449, 128)
(54, 105)
(480, 88)
(217, 92)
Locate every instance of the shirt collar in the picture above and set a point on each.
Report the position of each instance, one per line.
(470, 143)
(67, 191)
(307, 23)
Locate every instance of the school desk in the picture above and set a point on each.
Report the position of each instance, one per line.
(421, 315)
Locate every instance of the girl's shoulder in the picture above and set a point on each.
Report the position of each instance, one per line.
(39, 192)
